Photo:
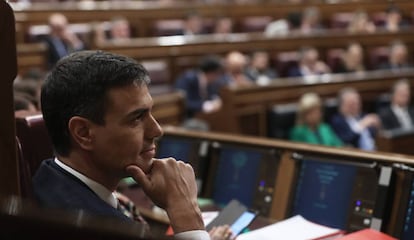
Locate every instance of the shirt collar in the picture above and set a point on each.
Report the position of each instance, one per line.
(96, 187)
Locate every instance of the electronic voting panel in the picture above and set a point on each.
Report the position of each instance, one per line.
(405, 216)
(188, 150)
(340, 194)
(244, 173)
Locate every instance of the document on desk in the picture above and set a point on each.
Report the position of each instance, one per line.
(294, 228)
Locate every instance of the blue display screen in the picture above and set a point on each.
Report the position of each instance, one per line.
(323, 193)
(408, 228)
(177, 148)
(236, 176)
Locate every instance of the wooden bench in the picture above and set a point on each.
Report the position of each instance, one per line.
(245, 109)
(143, 15)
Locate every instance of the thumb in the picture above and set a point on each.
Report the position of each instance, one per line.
(139, 176)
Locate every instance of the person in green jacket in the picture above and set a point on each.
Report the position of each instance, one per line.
(309, 127)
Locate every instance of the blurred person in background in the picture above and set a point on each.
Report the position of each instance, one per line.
(394, 20)
(201, 86)
(360, 23)
(236, 66)
(223, 25)
(398, 58)
(61, 41)
(259, 70)
(352, 60)
(119, 29)
(193, 25)
(309, 127)
(309, 64)
(351, 125)
(399, 115)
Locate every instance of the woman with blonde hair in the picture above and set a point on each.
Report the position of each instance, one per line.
(309, 127)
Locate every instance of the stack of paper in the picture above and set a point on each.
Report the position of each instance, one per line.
(294, 228)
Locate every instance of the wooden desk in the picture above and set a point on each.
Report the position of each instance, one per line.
(244, 109)
(142, 15)
(396, 141)
(31, 56)
(181, 52)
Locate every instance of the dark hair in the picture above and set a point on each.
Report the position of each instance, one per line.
(78, 86)
(210, 64)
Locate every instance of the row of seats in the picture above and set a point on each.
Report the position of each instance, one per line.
(282, 117)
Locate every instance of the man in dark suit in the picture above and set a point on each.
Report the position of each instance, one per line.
(61, 41)
(97, 110)
(202, 86)
(351, 125)
(399, 114)
(309, 64)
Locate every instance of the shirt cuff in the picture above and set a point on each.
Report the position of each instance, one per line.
(192, 235)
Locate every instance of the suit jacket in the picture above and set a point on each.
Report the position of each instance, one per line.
(389, 120)
(327, 137)
(53, 187)
(190, 84)
(344, 131)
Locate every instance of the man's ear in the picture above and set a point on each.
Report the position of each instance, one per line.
(80, 131)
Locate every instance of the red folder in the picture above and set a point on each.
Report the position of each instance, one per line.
(367, 234)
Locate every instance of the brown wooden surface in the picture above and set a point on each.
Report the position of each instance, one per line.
(402, 143)
(236, 100)
(31, 56)
(180, 52)
(9, 183)
(143, 14)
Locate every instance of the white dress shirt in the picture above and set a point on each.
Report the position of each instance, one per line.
(109, 197)
(402, 116)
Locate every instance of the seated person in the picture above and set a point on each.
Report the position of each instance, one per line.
(399, 114)
(223, 25)
(105, 133)
(61, 41)
(310, 20)
(309, 127)
(394, 21)
(235, 67)
(119, 30)
(201, 86)
(193, 25)
(309, 64)
(398, 58)
(352, 126)
(259, 70)
(352, 60)
(23, 105)
(360, 23)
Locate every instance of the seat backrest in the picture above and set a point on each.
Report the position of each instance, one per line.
(24, 172)
(34, 139)
(281, 120)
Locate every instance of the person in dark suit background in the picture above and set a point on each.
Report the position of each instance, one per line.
(201, 86)
(61, 41)
(351, 125)
(259, 70)
(399, 114)
(309, 64)
(97, 109)
(399, 57)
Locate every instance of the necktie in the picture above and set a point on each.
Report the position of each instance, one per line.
(128, 208)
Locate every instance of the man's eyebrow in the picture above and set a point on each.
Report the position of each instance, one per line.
(137, 112)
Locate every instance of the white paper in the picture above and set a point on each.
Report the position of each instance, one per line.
(294, 228)
(209, 216)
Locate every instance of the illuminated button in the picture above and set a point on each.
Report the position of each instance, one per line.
(367, 221)
(268, 199)
(357, 209)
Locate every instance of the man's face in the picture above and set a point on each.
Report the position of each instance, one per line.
(129, 133)
(351, 104)
(402, 95)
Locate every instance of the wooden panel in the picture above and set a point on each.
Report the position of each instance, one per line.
(9, 180)
(370, 85)
(284, 187)
(142, 15)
